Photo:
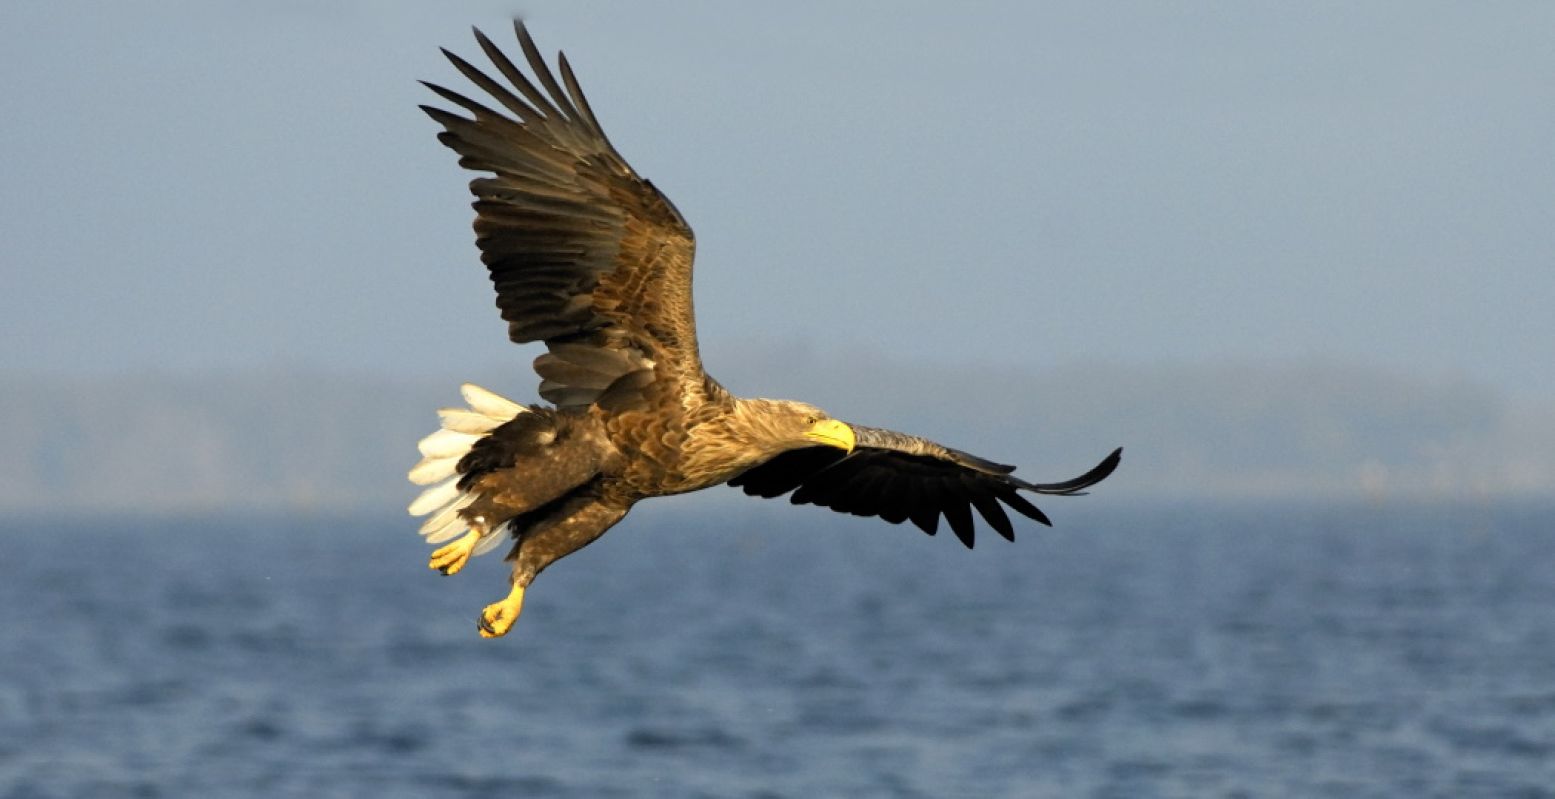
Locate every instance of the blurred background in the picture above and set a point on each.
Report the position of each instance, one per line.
(1272, 250)
(1296, 258)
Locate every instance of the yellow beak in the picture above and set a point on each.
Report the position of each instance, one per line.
(832, 433)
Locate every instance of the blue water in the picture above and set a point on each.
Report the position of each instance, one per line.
(1193, 651)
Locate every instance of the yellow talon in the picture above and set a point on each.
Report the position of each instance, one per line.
(498, 617)
(450, 559)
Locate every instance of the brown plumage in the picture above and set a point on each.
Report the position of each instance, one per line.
(590, 259)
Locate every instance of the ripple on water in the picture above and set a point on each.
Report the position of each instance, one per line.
(1248, 654)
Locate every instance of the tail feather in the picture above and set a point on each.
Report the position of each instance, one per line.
(431, 470)
(447, 532)
(464, 420)
(450, 530)
(446, 444)
(490, 542)
(490, 404)
(435, 498)
(442, 451)
(446, 517)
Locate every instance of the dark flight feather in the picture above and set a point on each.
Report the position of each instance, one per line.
(516, 77)
(581, 250)
(929, 481)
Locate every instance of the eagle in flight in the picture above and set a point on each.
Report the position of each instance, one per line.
(589, 258)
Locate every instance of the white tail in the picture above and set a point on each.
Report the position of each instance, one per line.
(490, 404)
(442, 451)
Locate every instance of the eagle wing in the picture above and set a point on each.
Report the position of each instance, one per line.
(899, 477)
(585, 255)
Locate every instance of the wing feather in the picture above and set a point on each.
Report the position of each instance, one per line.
(542, 72)
(1023, 506)
(899, 477)
(584, 254)
(536, 98)
(957, 511)
(897, 500)
(993, 513)
(925, 512)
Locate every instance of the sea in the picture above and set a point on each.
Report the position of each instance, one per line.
(728, 649)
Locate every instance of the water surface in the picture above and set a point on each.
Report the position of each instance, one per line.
(1193, 651)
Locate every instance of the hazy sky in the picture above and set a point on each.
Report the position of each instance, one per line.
(238, 185)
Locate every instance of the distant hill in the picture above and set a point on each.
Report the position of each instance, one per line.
(299, 441)
(1296, 429)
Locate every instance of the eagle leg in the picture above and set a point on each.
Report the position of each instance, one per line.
(558, 531)
(498, 617)
(451, 558)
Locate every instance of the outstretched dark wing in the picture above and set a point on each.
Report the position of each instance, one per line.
(586, 256)
(900, 477)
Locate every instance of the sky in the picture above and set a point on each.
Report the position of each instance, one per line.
(196, 186)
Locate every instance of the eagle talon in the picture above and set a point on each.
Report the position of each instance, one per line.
(450, 559)
(497, 618)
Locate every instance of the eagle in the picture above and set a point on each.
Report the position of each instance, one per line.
(590, 259)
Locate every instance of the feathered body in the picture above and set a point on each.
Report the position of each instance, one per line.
(592, 260)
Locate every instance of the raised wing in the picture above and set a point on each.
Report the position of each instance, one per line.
(585, 255)
(898, 477)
